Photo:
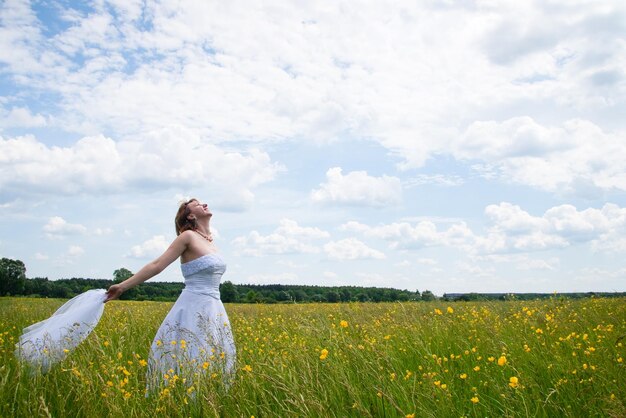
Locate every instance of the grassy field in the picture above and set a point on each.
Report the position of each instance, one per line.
(428, 359)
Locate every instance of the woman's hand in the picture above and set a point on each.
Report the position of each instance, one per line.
(114, 292)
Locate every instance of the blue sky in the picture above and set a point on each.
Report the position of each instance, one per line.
(450, 146)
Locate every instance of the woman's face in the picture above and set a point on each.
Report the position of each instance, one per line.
(198, 209)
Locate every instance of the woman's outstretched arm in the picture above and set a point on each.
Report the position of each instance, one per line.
(176, 248)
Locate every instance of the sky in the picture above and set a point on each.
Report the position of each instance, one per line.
(451, 146)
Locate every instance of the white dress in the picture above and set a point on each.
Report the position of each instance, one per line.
(47, 342)
(195, 336)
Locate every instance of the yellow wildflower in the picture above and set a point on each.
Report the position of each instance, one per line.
(513, 382)
(474, 399)
(450, 310)
(324, 354)
(247, 368)
(502, 361)
(344, 324)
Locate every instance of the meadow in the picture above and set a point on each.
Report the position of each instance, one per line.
(552, 358)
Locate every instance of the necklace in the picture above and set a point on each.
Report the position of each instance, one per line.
(206, 237)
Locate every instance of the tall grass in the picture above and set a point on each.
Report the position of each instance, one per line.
(540, 358)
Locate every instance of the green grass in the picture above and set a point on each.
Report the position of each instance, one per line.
(392, 359)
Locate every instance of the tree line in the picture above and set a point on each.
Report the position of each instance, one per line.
(13, 282)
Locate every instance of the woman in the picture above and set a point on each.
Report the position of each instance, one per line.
(195, 334)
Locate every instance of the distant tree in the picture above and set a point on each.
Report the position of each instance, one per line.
(470, 297)
(299, 295)
(228, 292)
(121, 274)
(317, 298)
(345, 295)
(282, 296)
(403, 297)
(267, 299)
(375, 294)
(12, 277)
(252, 297)
(332, 297)
(362, 297)
(36, 286)
(61, 291)
(427, 295)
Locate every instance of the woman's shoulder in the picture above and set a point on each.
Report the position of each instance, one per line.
(186, 236)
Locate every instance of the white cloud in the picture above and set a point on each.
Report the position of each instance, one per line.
(41, 256)
(291, 228)
(403, 235)
(123, 68)
(288, 238)
(58, 227)
(513, 219)
(560, 226)
(351, 249)
(70, 257)
(151, 248)
(358, 188)
(75, 251)
(577, 157)
(163, 159)
(21, 117)
(434, 179)
(511, 229)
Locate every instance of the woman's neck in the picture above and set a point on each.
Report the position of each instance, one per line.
(204, 227)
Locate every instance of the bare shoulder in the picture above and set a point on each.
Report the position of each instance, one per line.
(186, 237)
(183, 240)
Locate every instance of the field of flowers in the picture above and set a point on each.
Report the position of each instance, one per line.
(548, 358)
